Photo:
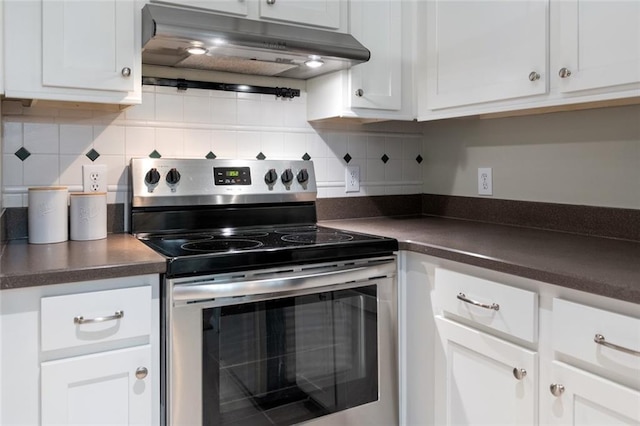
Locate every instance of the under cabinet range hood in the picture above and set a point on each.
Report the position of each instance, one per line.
(189, 38)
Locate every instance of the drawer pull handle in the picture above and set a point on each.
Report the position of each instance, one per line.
(141, 373)
(599, 339)
(493, 306)
(82, 320)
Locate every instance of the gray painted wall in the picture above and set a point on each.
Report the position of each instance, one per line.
(589, 157)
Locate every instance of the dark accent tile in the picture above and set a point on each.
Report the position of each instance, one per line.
(419, 159)
(306, 157)
(210, 156)
(261, 156)
(22, 153)
(385, 158)
(347, 158)
(155, 154)
(93, 154)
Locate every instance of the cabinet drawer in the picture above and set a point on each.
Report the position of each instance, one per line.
(575, 327)
(81, 319)
(504, 308)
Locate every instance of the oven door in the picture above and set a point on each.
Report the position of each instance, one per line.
(315, 345)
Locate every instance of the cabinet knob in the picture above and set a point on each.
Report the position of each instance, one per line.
(519, 373)
(359, 93)
(271, 2)
(126, 72)
(141, 372)
(556, 389)
(534, 76)
(564, 72)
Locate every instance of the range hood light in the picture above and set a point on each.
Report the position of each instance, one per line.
(196, 50)
(314, 62)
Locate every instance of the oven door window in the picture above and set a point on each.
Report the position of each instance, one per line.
(284, 361)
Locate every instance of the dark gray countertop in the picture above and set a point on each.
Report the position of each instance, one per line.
(119, 255)
(603, 266)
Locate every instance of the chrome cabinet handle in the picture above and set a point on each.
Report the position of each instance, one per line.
(359, 93)
(463, 297)
(271, 2)
(126, 72)
(82, 320)
(519, 373)
(564, 72)
(556, 389)
(141, 373)
(600, 340)
(534, 76)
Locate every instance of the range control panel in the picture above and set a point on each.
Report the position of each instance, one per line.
(167, 181)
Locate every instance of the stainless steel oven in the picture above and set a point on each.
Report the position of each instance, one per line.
(268, 319)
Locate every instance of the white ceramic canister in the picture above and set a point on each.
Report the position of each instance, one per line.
(48, 214)
(88, 215)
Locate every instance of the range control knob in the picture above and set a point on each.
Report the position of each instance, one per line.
(303, 176)
(287, 177)
(152, 177)
(173, 177)
(271, 177)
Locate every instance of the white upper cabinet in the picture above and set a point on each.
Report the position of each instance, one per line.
(322, 13)
(68, 50)
(328, 14)
(481, 57)
(598, 46)
(479, 51)
(380, 88)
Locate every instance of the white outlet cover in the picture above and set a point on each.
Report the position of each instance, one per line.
(352, 179)
(485, 181)
(94, 178)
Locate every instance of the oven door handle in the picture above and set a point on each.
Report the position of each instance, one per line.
(332, 276)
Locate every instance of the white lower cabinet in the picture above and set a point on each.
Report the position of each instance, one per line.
(105, 388)
(480, 347)
(82, 353)
(487, 380)
(582, 398)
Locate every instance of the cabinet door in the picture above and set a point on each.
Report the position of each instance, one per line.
(321, 13)
(480, 379)
(88, 44)
(588, 399)
(377, 83)
(97, 389)
(599, 43)
(480, 51)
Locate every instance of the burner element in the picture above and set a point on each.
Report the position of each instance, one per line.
(317, 237)
(223, 245)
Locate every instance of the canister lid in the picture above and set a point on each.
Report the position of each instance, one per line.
(84, 194)
(48, 188)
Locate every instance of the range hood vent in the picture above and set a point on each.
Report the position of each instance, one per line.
(237, 45)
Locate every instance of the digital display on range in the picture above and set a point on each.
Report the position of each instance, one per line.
(231, 176)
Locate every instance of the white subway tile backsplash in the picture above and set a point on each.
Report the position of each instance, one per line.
(170, 142)
(75, 139)
(192, 124)
(139, 141)
(224, 143)
(11, 170)
(197, 109)
(41, 170)
(11, 137)
(12, 200)
(197, 143)
(109, 140)
(41, 138)
(169, 107)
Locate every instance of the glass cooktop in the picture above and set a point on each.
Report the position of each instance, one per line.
(220, 250)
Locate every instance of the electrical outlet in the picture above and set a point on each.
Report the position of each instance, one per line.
(485, 181)
(352, 179)
(94, 178)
